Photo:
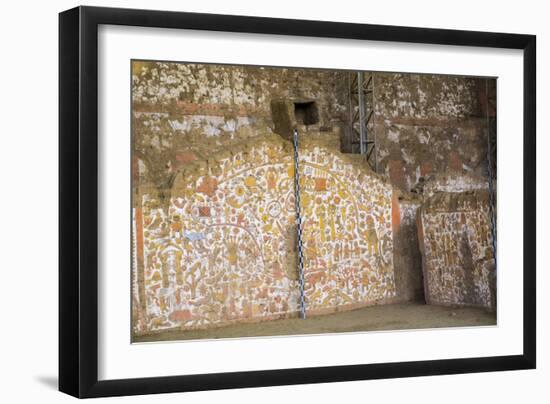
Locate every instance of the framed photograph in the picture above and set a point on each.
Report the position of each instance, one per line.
(251, 201)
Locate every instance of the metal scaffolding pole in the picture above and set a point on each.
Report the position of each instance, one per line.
(491, 175)
(299, 226)
(361, 103)
(361, 116)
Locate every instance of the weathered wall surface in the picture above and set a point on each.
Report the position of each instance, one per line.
(183, 111)
(457, 247)
(406, 255)
(225, 250)
(213, 203)
(427, 124)
(424, 124)
(348, 240)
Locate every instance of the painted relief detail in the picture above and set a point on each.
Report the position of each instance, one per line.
(225, 248)
(458, 250)
(214, 237)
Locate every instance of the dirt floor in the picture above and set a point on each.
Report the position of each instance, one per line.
(387, 317)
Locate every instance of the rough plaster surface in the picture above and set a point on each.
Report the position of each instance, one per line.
(185, 111)
(457, 248)
(407, 259)
(427, 124)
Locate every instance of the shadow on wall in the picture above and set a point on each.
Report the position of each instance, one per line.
(456, 243)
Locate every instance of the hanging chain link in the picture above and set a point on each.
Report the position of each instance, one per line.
(299, 226)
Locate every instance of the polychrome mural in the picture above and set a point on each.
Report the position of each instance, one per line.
(225, 249)
(390, 221)
(458, 253)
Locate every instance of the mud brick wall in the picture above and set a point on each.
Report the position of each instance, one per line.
(213, 204)
(424, 124)
(428, 124)
(184, 112)
(204, 91)
(224, 250)
(348, 238)
(406, 254)
(457, 249)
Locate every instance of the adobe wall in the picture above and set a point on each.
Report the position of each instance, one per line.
(224, 250)
(184, 112)
(206, 159)
(407, 259)
(424, 124)
(428, 124)
(456, 243)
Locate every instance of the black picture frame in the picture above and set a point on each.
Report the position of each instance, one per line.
(78, 201)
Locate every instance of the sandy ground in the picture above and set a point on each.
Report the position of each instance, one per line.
(387, 317)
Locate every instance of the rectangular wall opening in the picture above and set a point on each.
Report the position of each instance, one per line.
(306, 113)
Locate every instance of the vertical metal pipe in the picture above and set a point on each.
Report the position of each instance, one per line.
(361, 102)
(490, 173)
(350, 106)
(299, 225)
(375, 145)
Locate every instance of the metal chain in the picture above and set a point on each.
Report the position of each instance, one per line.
(299, 226)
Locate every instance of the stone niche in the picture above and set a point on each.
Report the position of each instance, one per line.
(406, 258)
(289, 114)
(456, 243)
